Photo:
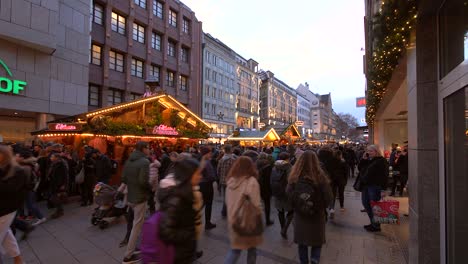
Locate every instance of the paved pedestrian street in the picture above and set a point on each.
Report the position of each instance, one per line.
(72, 239)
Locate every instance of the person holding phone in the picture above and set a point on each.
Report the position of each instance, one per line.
(374, 176)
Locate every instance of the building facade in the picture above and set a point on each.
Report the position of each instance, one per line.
(303, 114)
(278, 101)
(247, 109)
(141, 42)
(324, 123)
(219, 87)
(315, 121)
(44, 60)
(429, 90)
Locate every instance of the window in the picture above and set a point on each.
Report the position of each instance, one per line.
(158, 8)
(137, 68)
(207, 74)
(138, 33)
(213, 93)
(94, 96)
(141, 3)
(172, 18)
(98, 14)
(456, 171)
(207, 108)
(134, 96)
(116, 61)
(183, 83)
(114, 97)
(170, 79)
(186, 25)
(118, 23)
(96, 55)
(213, 109)
(207, 91)
(171, 49)
(184, 54)
(155, 72)
(156, 41)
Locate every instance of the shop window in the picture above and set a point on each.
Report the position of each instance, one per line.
(116, 61)
(94, 95)
(158, 8)
(118, 23)
(453, 24)
(137, 68)
(98, 14)
(456, 175)
(114, 97)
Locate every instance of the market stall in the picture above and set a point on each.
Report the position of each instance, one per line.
(289, 134)
(254, 138)
(160, 120)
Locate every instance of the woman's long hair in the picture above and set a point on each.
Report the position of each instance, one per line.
(243, 167)
(307, 166)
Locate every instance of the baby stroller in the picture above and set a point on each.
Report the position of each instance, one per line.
(110, 205)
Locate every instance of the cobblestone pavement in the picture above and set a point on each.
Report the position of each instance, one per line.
(72, 239)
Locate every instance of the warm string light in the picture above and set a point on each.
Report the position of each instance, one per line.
(390, 42)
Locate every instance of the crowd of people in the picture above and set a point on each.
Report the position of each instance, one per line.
(178, 185)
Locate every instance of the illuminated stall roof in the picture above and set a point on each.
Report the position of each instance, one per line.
(282, 130)
(80, 121)
(266, 135)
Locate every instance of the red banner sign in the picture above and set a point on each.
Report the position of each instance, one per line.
(164, 130)
(361, 102)
(64, 127)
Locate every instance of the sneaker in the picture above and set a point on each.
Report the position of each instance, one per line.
(342, 209)
(39, 221)
(363, 210)
(137, 251)
(123, 243)
(133, 259)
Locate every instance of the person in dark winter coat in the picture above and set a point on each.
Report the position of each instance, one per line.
(264, 167)
(177, 226)
(374, 176)
(309, 230)
(57, 175)
(341, 171)
(282, 167)
(103, 167)
(331, 166)
(401, 165)
(206, 186)
(13, 188)
(89, 179)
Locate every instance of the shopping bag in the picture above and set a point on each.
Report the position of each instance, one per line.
(386, 212)
(79, 178)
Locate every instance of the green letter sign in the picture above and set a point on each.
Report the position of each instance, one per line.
(8, 85)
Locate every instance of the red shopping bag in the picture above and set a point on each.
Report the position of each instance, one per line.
(386, 212)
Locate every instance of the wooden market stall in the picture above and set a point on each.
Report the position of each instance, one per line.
(289, 134)
(254, 138)
(160, 120)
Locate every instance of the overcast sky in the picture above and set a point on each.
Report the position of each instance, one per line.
(300, 41)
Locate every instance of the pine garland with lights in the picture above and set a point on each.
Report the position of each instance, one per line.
(391, 27)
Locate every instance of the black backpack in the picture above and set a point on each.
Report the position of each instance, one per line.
(278, 182)
(306, 198)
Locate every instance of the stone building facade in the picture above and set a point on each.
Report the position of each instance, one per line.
(247, 93)
(429, 90)
(278, 101)
(219, 87)
(44, 44)
(303, 114)
(137, 41)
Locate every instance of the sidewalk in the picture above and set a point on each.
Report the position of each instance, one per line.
(72, 239)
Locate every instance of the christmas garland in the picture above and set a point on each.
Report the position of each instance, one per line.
(391, 27)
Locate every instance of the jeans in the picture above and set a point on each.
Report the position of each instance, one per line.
(139, 211)
(314, 254)
(234, 255)
(340, 189)
(371, 193)
(31, 205)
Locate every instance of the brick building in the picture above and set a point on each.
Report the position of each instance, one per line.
(139, 40)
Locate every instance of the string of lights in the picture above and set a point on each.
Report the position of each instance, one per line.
(391, 28)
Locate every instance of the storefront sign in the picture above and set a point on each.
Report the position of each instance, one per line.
(361, 102)
(299, 123)
(164, 130)
(64, 127)
(9, 85)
